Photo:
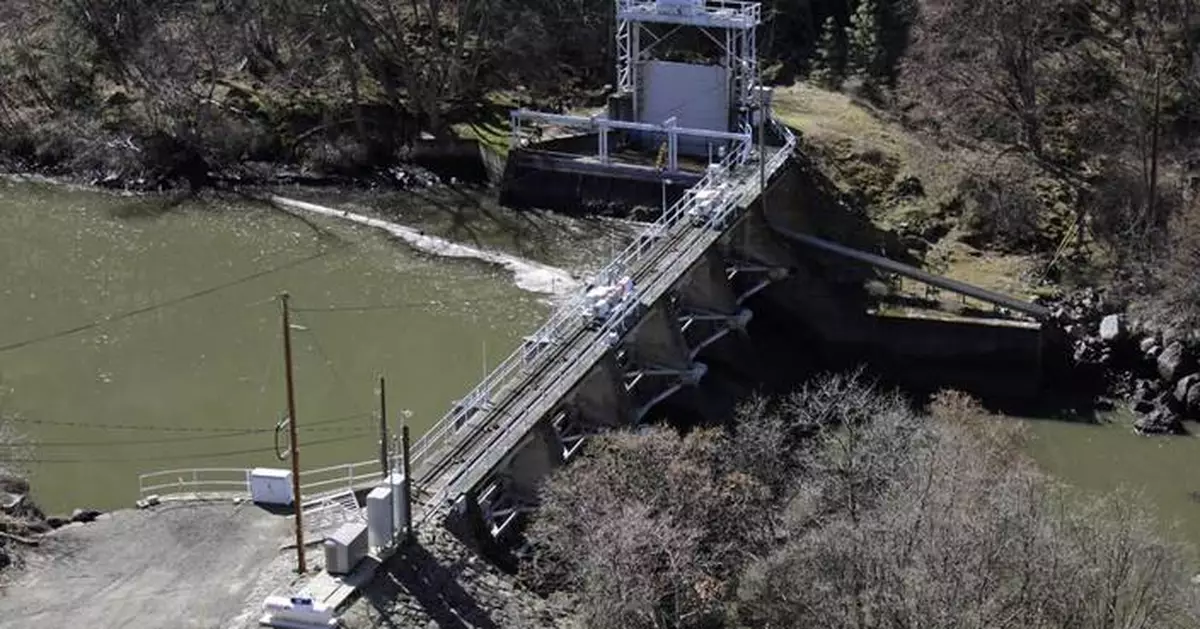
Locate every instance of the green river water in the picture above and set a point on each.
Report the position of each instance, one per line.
(162, 389)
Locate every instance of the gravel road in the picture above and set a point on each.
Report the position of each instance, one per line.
(177, 565)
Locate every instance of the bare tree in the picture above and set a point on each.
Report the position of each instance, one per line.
(968, 534)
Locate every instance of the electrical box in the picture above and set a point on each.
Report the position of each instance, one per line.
(380, 528)
(271, 486)
(400, 512)
(345, 548)
(296, 612)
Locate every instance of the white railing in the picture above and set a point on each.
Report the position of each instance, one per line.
(603, 125)
(740, 13)
(235, 482)
(335, 479)
(199, 482)
(565, 319)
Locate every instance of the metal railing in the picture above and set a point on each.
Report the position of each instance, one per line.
(199, 482)
(235, 482)
(743, 12)
(335, 479)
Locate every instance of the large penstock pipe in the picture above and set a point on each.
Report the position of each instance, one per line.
(1038, 312)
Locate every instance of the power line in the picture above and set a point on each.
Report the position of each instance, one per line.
(367, 308)
(136, 442)
(186, 457)
(183, 429)
(113, 318)
(337, 375)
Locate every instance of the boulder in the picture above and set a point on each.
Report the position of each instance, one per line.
(9, 502)
(1143, 406)
(1147, 344)
(13, 484)
(84, 515)
(1184, 385)
(1111, 328)
(1171, 361)
(1160, 421)
(1192, 401)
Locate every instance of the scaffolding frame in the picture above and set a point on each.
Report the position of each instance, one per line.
(737, 19)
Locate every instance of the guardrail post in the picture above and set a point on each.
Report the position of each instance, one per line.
(672, 144)
(604, 141)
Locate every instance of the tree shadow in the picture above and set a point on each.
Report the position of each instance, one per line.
(414, 570)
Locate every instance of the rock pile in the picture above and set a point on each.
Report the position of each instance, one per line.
(22, 523)
(439, 582)
(1153, 366)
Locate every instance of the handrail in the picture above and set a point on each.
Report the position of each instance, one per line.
(565, 318)
(197, 481)
(724, 201)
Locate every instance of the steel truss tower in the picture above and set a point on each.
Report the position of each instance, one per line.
(734, 22)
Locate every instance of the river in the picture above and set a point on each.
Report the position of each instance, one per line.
(168, 387)
(1101, 458)
(189, 371)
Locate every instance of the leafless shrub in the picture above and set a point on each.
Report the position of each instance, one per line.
(839, 507)
(1179, 276)
(969, 535)
(1004, 208)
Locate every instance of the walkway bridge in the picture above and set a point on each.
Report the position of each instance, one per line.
(579, 375)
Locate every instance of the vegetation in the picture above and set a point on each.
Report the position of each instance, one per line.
(839, 507)
(17, 521)
(181, 89)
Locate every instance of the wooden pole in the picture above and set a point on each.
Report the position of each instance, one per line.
(383, 444)
(297, 502)
(408, 530)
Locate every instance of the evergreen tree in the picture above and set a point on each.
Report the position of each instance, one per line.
(866, 54)
(829, 61)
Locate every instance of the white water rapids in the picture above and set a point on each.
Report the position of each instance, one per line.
(527, 274)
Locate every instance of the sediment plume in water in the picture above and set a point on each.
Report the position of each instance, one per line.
(527, 275)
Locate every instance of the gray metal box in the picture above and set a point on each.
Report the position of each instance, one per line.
(379, 518)
(345, 548)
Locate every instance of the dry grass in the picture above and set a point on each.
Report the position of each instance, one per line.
(871, 156)
(846, 127)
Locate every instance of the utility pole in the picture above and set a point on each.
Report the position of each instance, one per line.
(383, 444)
(408, 530)
(297, 503)
(762, 149)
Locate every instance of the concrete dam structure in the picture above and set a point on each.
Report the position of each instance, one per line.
(693, 307)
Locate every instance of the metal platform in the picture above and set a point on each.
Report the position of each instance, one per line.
(702, 13)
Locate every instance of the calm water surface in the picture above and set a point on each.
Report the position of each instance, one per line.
(163, 388)
(1099, 459)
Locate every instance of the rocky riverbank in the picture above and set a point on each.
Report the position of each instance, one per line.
(22, 522)
(1141, 362)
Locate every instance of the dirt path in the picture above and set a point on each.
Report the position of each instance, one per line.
(178, 565)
